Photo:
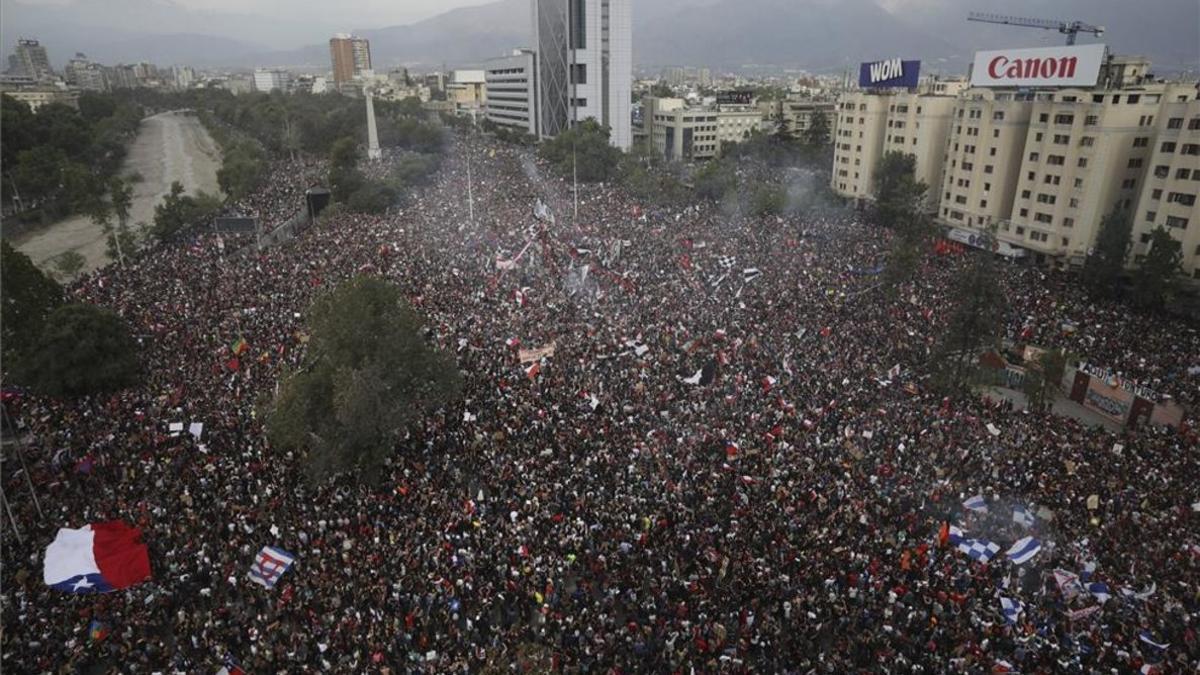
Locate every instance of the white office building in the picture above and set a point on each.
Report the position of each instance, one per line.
(272, 79)
(512, 91)
(584, 65)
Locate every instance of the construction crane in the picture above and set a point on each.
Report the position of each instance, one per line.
(1068, 28)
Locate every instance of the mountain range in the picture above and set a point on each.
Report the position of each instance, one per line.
(732, 35)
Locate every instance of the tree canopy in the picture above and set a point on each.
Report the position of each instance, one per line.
(59, 158)
(1104, 265)
(83, 349)
(974, 322)
(583, 149)
(372, 371)
(1156, 278)
(179, 210)
(27, 296)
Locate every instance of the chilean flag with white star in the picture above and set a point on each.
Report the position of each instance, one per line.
(96, 558)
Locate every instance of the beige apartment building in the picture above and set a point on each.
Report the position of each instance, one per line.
(983, 158)
(858, 142)
(918, 125)
(870, 124)
(679, 132)
(1172, 183)
(1086, 154)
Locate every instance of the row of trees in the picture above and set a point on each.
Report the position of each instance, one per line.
(1154, 282)
(57, 161)
(58, 348)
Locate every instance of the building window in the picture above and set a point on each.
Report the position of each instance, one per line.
(987, 168)
(1140, 141)
(1135, 163)
(1128, 184)
(1177, 222)
(1038, 137)
(1055, 160)
(1082, 163)
(1068, 222)
(1162, 171)
(1190, 149)
(1043, 218)
(1061, 139)
(1151, 215)
(998, 115)
(1024, 213)
(1156, 194)
(578, 33)
(1133, 98)
(1182, 174)
(1025, 194)
(1145, 238)
(1044, 198)
(1033, 156)
(1021, 230)
(1167, 146)
(1074, 203)
(1064, 119)
(1032, 175)
(1181, 198)
(1175, 123)
(1091, 120)
(579, 73)
(1043, 118)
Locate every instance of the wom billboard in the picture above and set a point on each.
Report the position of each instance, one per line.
(1073, 66)
(889, 73)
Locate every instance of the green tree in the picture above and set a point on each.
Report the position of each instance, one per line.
(83, 350)
(178, 211)
(1104, 265)
(661, 89)
(768, 200)
(344, 154)
(26, 297)
(817, 133)
(374, 197)
(122, 239)
(583, 150)
(897, 191)
(69, 263)
(241, 171)
(1156, 279)
(372, 372)
(973, 324)
(715, 180)
(1042, 378)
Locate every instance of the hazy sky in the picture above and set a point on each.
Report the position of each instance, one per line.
(351, 13)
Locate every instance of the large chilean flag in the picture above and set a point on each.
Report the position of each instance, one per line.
(97, 558)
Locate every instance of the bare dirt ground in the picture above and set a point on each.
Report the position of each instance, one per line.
(169, 147)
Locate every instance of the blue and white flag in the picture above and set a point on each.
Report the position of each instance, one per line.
(1023, 516)
(955, 536)
(1024, 550)
(1011, 609)
(269, 565)
(1100, 590)
(976, 503)
(979, 549)
(1146, 637)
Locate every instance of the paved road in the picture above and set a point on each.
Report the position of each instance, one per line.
(169, 147)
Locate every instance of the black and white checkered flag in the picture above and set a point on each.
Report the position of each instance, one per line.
(726, 262)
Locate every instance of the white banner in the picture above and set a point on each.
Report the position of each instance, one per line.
(1068, 66)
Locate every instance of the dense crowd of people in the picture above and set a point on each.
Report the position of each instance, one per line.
(719, 468)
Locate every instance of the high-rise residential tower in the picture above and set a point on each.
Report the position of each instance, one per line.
(585, 65)
(350, 56)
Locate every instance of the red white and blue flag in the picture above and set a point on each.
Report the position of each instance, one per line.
(96, 558)
(269, 565)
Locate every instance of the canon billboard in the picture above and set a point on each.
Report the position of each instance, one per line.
(1072, 66)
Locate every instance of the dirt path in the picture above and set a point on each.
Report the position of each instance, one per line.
(169, 147)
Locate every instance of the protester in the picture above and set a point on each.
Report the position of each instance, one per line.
(714, 471)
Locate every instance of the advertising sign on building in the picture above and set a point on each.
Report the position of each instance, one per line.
(889, 73)
(1069, 66)
(735, 97)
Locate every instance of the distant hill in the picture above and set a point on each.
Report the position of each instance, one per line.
(817, 35)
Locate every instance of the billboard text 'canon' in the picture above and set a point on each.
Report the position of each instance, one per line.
(1072, 66)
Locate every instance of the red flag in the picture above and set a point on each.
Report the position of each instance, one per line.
(944, 533)
(826, 331)
(532, 371)
(232, 364)
(731, 449)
